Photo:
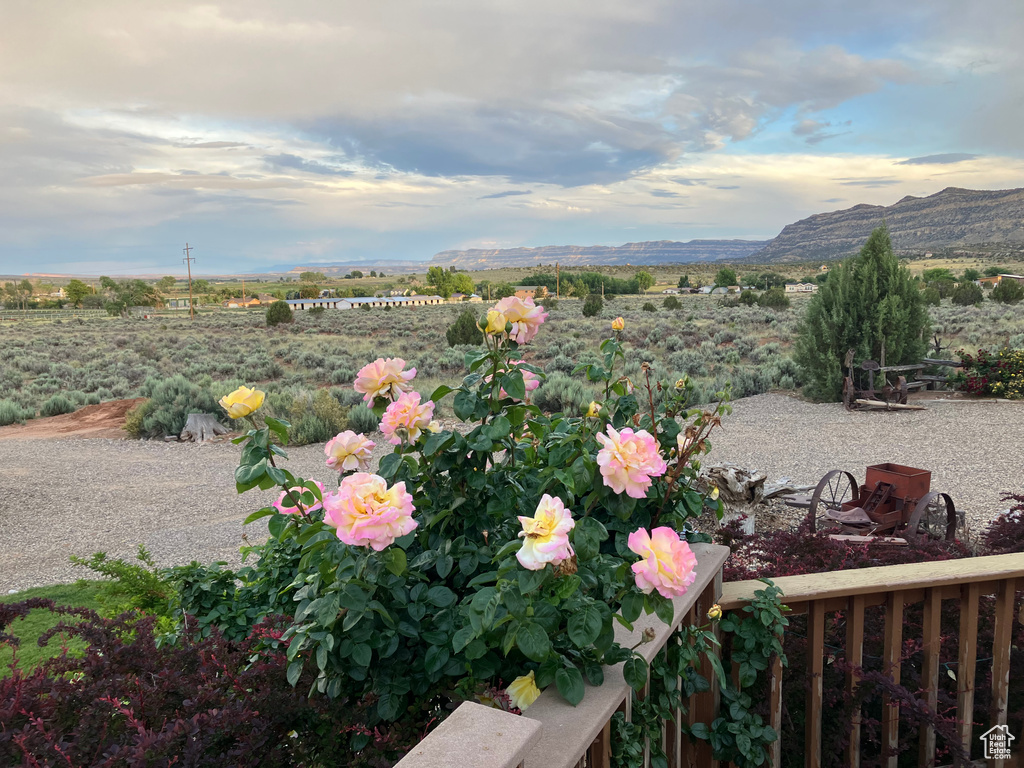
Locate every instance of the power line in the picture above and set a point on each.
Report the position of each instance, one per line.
(188, 263)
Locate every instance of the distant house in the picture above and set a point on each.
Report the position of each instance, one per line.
(672, 291)
(706, 289)
(242, 303)
(379, 302)
(185, 303)
(801, 288)
(327, 303)
(992, 282)
(531, 291)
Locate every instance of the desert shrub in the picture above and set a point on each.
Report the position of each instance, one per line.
(967, 294)
(316, 311)
(748, 298)
(12, 413)
(135, 418)
(362, 419)
(549, 303)
(672, 303)
(56, 405)
(1000, 373)
(774, 298)
(1009, 291)
(464, 330)
(649, 307)
(142, 584)
(561, 394)
(931, 297)
(279, 312)
(868, 304)
(592, 305)
(365, 306)
(317, 418)
(171, 400)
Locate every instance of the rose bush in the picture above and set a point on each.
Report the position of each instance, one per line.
(498, 554)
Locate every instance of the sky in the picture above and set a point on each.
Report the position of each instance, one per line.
(266, 133)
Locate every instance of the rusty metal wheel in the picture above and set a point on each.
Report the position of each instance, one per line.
(934, 518)
(835, 488)
(849, 393)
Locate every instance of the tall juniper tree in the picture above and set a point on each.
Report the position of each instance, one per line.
(869, 305)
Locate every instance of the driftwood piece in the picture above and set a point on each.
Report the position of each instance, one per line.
(889, 406)
(740, 490)
(202, 427)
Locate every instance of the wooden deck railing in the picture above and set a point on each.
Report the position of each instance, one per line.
(552, 734)
(897, 587)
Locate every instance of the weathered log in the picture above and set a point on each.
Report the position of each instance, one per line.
(202, 427)
(740, 490)
(889, 406)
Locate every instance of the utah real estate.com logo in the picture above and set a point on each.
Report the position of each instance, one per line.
(997, 742)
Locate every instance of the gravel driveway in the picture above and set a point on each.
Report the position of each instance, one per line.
(64, 497)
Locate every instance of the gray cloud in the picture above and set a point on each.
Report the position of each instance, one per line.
(944, 159)
(509, 193)
(868, 183)
(663, 193)
(294, 162)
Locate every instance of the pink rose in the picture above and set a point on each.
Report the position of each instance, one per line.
(546, 535)
(366, 513)
(525, 316)
(405, 419)
(348, 451)
(629, 461)
(667, 563)
(383, 378)
(285, 506)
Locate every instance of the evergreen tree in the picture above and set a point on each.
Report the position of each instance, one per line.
(869, 305)
(1009, 291)
(464, 330)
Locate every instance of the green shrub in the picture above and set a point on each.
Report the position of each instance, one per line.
(317, 419)
(280, 312)
(561, 394)
(592, 305)
(549, 303)
(870, 305)
(748, 298)
(671, 302)
(1009, 291)
(648, 307)
(56, 405)
(133, 420)
(11, 413)
(366, 307)
(316, 311)
(464, 330)
(930, 296)
(967, 295)
(362, 419)
(171, 401)
(143, 585)
(773, 298)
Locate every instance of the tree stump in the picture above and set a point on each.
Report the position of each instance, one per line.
(201, 428)
(740, 490)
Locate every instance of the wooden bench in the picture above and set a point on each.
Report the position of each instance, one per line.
(916, 380)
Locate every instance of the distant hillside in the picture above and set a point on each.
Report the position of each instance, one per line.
(948, 219)
(659, 252)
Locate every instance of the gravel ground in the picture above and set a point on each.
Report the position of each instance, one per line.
(68, 496)
(974, 449)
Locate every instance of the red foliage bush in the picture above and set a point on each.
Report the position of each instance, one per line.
(127, 702)
(1006, 533)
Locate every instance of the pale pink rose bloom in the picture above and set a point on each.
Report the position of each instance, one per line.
(546, 535)
(525, 316)
(629, 461)
(405, 419)
(667, 563)
(348, 451)
(530, 379)
(285, 506)
(366, 513)
(383, 378)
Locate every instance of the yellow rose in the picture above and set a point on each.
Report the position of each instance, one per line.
(523, 691)
(496, 322)
(242, 402)
(594, 410)
(715, 612)
(713, 495)
(618, 324)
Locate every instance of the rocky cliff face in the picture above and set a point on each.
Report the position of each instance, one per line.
(948, 219)
(660, 252)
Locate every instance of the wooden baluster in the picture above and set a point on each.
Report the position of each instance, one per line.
(893, 654)
(704, 706)
(673, 728)
(775, 711)
(1001, 655)
(854, 657)
(601, 750)
(932, 639)
(815, 669)
(969, 594)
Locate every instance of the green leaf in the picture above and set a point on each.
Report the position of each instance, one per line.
(585, 625)
(632, 606)
(277, 475)
(570, 684)
(635, 672)
(499, 428)
(441, 596)
(294, 671)
(662, 607)
(513, 383)
(587, 538)
(395, 560)
(700, 731)
(277, 525)
(594, 672)
(279, 427)
(389, 465)
(265, 512)
(462, 638)
(389, 705)
(251, 473)
(533, 641)
(436, 442)
(531, 580)
(440, 392)
(464, 405)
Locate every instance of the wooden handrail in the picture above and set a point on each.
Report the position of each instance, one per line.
(886, 578)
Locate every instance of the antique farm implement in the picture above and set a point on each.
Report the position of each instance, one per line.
(894, 502)
(863, 390)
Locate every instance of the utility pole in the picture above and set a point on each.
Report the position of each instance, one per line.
(558, 285)
(188, 263)
(243, 292)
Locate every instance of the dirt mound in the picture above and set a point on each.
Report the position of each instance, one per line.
(103, 420)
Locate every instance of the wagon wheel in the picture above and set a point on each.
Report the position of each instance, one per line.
(934, 518)
(849, 395)
(835, 488)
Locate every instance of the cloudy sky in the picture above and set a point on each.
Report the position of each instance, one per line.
(270, 133)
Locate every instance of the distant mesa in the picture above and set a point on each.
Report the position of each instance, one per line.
(951, 218)
(646, 253)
